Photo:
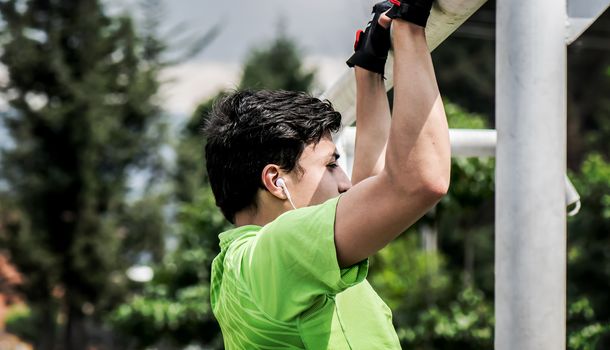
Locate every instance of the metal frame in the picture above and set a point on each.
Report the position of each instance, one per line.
(530, 244)
(465, 143)
(581, 14)
(531, 186)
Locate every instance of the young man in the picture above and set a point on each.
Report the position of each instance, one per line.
(291, 275)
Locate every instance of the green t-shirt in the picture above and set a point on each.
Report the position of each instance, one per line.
(280, 287)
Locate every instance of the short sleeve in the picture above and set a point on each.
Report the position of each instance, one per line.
(292, 262)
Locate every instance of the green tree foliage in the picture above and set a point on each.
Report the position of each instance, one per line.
(277, 66)
(443, 299)
(588, 258)
(465, 64)
(588, 100)
(190, 173)
(431, 309)
(585, 333)
(175, 308)
(466, 76)
(82, 117)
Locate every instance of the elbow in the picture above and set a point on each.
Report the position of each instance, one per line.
(436, 188)
(427, 189)
(436, 183)
(429, 186)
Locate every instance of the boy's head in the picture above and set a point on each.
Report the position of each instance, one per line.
(255, 137)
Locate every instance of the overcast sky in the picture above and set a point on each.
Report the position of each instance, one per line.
(321, 27)
(324, 30)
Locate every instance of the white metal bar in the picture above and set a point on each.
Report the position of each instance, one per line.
(572, 197)
(473, 143)
(464, 143)
(530, 246)
(581, 14)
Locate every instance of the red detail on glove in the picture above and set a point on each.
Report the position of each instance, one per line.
(358, 33)
(395, 2)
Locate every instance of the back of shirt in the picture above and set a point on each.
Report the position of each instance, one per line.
(280, 287)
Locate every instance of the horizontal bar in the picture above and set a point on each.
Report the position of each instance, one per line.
(464, 143)
(581, 14)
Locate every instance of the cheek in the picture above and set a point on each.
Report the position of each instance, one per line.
(330, 181)
(317, 177)
(311, 182)
(319, 187)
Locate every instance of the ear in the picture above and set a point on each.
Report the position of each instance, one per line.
(269, 176)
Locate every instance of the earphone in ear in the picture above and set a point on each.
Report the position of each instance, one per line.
(280, 182)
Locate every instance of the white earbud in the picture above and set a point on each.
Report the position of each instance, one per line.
(280, 182)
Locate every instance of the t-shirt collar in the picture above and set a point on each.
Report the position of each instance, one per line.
(229, 236)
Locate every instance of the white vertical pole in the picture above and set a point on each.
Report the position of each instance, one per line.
(530, 247)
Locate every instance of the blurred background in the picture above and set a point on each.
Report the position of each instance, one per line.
(108, 225)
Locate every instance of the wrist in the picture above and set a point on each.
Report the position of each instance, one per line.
(368, 82)
(402, 27)
(414, 11)
(404, 32)
(364, 75)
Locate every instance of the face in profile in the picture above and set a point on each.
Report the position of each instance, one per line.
(321, 178)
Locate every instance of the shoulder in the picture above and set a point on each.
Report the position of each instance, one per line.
(305, 218)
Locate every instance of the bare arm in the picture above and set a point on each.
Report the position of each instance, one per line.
(372, 119)
(417, 163)
(373, 125)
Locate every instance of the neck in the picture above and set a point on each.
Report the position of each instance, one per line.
(268, 209)
(244, 218)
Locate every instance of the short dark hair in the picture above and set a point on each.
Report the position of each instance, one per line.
(246, 130)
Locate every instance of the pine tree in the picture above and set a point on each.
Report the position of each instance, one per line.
(82, 113)
(277, 66)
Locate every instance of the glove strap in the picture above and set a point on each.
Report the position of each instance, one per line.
(414, 11)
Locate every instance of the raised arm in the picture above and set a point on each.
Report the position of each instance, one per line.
(417, 162)
(372, 107)
(373, 125)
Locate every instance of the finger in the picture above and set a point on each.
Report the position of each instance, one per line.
(384, 20)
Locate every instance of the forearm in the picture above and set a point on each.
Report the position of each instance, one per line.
(418, 151)
(373, 125)
(417, 160)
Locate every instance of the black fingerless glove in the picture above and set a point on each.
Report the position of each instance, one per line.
(414, 11)
(372, 46)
